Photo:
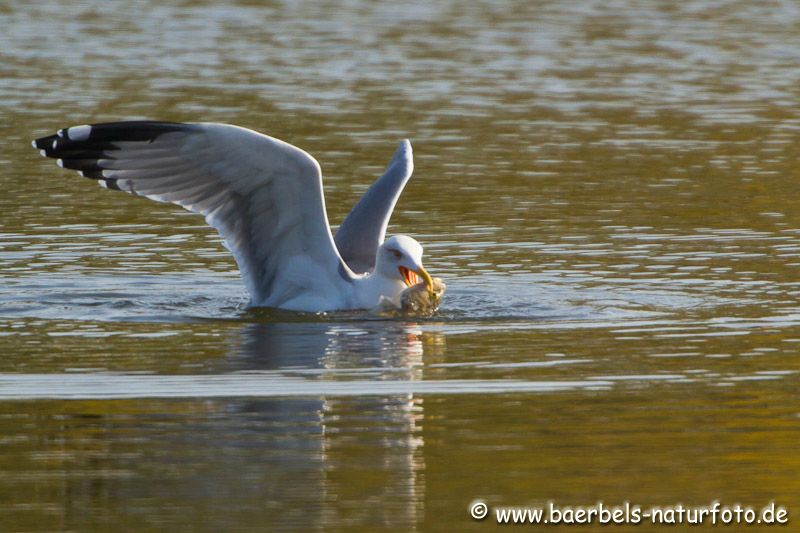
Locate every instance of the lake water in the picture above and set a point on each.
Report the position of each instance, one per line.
(611, 191)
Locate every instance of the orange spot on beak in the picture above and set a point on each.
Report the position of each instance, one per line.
(409, 276)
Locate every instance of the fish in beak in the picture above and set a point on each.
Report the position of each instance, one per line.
(412, 277)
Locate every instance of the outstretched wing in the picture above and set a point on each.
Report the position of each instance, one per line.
(264, 196)
(364, 229)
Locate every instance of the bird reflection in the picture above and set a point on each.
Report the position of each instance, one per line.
(375, 345)
(298, 463)
(367, 448)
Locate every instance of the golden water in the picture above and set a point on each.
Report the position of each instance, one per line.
(610, 190)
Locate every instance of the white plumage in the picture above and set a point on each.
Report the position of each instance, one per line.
(265, 198)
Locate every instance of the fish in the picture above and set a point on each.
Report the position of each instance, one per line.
(416, 300)
(422, 301)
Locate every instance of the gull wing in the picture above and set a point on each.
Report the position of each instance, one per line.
(264, 196)
(364, 229)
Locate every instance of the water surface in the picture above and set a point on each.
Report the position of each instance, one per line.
(609, 189)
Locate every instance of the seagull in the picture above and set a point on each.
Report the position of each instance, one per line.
(265, 198)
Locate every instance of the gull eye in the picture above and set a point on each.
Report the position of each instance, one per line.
(396, 253)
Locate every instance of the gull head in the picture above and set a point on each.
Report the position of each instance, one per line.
(400, 257)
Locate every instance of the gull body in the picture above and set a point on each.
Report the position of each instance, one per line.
(265, 198)
(366, 291)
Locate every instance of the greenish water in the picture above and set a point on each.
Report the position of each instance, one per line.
(611, 191)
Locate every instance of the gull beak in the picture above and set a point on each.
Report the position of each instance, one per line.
(426, 278)
(412, 277)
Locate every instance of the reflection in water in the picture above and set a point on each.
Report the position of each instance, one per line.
(391, 459)
(331, 345)
(240, 460)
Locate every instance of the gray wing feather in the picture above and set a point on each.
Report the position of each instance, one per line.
(264, 196)
(364, 229)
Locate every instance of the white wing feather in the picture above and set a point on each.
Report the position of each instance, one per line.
(264, 196)
(364, 229)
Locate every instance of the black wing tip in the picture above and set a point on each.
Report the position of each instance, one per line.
(107, 132)
(88, 167)
(43, 143)
(84, 148)
(132, 130)
(96, 141)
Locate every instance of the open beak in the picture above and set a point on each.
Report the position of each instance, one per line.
(412, 277)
